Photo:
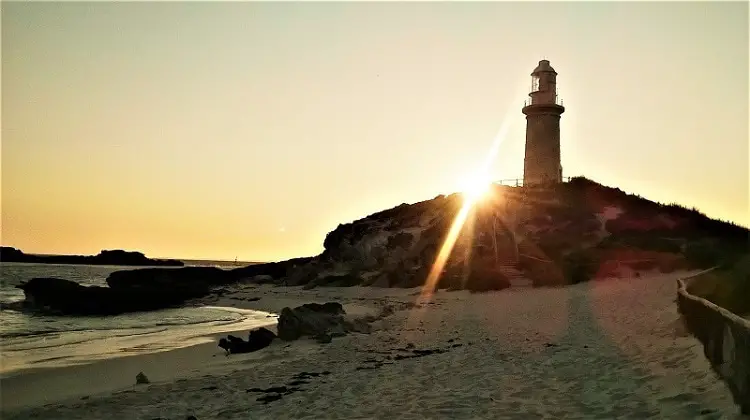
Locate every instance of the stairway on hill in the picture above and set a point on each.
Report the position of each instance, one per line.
(516, 277)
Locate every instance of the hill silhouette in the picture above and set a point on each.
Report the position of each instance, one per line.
(557, 235)
(105, 257)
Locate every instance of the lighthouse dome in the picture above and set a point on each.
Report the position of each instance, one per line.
(543, 67)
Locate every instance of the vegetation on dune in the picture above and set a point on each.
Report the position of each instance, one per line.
(580, 266)
(728, 286)
(645, 234)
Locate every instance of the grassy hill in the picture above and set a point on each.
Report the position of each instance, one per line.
(553, 236)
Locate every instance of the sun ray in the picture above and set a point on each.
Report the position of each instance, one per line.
(450, 240)
(470, 200)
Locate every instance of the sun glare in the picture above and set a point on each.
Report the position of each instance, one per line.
(475, 187)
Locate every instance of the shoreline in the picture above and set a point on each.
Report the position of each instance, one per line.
(20, 389)
(462, 355)
(62, 349)
(24, 388)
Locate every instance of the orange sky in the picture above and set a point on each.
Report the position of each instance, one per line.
(250, 130)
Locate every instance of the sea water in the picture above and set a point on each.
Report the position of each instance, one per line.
(38, 341)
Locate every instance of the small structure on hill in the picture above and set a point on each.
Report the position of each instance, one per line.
(541, 164)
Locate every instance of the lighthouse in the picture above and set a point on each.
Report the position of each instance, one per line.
(541, 165)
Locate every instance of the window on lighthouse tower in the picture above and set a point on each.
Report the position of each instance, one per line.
(534, 83)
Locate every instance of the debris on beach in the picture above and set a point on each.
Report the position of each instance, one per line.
(274, 393)
(258, 339)
(141, 378)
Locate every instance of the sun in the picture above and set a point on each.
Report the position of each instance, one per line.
(476, 186)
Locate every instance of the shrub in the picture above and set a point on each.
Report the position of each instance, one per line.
(484, 279)
(726, 287)
(541, 273)
(579, 266)
(708, 253)
(484, 276)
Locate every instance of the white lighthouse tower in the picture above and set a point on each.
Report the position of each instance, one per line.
(541, 164)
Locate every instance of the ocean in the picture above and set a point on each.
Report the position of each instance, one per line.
(39, 341)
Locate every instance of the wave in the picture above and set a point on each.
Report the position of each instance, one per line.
(36, 344)
(56, 332)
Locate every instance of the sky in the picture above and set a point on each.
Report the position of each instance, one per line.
(250, 130)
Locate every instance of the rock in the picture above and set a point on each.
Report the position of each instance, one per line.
(65, 297)
(337, 281)
(401, 239)
(141, 378)
(323, 338)
(261, 335)
(313, 320)
(298, 382)
(262, 279)
(262, 272)
(258, 339)
(189, 282)
(269, 398)
(136, 290)
(140, 289)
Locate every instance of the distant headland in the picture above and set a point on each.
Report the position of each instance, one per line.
(105, 257)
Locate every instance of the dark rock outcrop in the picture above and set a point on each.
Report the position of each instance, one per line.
(272, 270)
(66, 297)
(139, 289)
(258, 339)
(186, 282)
(105, 257)
(317, 321)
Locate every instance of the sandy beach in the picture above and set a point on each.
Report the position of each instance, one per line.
(605, 349)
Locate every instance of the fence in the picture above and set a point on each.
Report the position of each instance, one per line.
(725, 338)
(518, 182)
(530, 101)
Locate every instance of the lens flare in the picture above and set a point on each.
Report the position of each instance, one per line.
(474, 190)
(476, 187)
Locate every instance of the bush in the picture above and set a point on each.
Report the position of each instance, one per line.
(709, 253)
(541, 273)
(486, 279)
(727, 287)
(579, 266)
(702, 254)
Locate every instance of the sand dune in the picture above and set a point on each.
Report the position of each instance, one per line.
(607, 349)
